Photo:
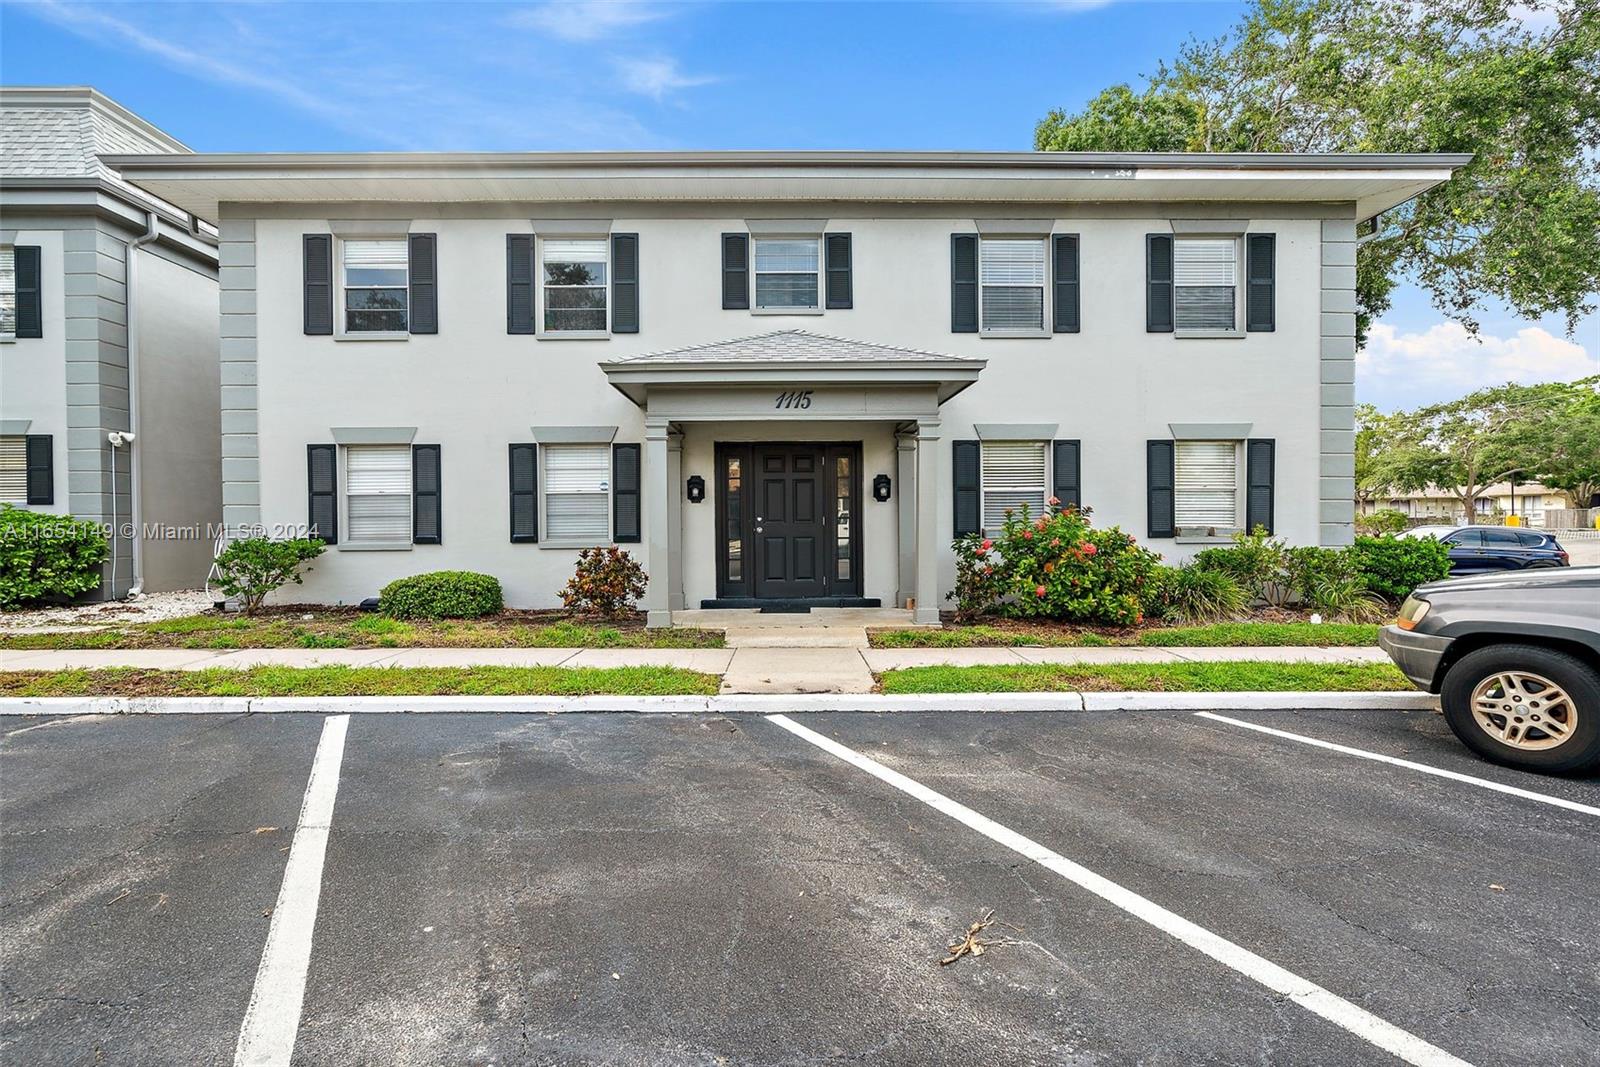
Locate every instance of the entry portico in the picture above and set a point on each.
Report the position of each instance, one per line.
(804, 423)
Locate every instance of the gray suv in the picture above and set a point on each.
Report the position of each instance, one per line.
(1515, 659)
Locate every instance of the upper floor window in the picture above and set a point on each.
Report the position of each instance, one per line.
(1206, 480)
(575, 273)
(8, 291)
(1011, 273)
(376, 276)
(1205, 276)
(1014, 473)
(787, 273)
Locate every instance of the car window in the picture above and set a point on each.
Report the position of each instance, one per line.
(1500, 538)
(1531, 540)
(1466, 539)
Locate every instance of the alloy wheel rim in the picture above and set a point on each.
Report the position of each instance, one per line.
(1524, 710)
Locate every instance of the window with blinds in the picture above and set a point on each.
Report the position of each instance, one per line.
(1011, 274)
(14, 469)
(575, 274)
(577, 493)
(787, 272)
(1205, 276)
(8, 292)
(376, 276)
(1014, 473)
(1207, 484)
(378, 493)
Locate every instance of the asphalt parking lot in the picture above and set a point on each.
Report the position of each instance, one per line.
(727, 890)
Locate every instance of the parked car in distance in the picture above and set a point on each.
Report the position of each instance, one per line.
(1515, 659)
(1475, 549)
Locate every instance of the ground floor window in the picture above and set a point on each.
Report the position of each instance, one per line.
(1014, 473)
(378, 494)
(577, 493)
(13, 468)
(1207, 484)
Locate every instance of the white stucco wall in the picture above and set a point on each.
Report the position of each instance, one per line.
(473, 389)
(33, 370)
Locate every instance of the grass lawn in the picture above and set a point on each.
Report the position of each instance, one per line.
(1143, 677)
(354, 629)
(1007, 634)
(363, 681)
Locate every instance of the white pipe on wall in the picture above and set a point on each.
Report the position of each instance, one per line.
(136, 509)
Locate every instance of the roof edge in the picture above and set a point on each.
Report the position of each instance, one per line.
(94, 99)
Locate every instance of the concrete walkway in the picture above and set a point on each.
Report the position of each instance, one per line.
(799, 667)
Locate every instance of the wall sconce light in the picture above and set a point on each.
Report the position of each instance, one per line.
(880, 488)
(697, 489)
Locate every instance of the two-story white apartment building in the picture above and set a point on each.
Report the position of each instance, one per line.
(777, 377)
(108, 340)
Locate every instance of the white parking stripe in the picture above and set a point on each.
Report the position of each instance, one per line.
(1484, 783)
(273, 1017)
(1315, 999)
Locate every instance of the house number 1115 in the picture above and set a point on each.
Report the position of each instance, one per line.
(796, 399)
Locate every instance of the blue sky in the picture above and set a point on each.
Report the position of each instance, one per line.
(635, 75)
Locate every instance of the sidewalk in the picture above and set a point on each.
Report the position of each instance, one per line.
(747, 669)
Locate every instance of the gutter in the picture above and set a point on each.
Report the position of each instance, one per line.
(135, 457)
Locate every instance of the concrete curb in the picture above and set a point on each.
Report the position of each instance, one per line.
(760, 704)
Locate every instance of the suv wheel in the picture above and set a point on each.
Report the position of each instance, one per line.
(1525, 706)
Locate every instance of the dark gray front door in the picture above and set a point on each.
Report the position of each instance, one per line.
(793, 527)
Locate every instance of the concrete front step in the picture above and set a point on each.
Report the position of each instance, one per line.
(795, 637)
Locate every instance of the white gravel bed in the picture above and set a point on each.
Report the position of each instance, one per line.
(148, 607)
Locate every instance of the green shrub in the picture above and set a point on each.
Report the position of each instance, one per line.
(1329, 581)
(252, 567)
(1393, 566)
(46, 557)
(1194, 595)
(1056, 566)
(1382, 521)
(1256, 560)
(441, 595)
(979, 584)
(607, 582)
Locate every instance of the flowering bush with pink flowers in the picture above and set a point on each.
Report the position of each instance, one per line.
(1055, 566)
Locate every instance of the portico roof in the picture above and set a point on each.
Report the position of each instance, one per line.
(791, 357)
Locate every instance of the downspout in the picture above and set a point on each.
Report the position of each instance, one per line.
(135, 462)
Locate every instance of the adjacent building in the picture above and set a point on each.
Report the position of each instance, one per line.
(108, 326)
(777, 377)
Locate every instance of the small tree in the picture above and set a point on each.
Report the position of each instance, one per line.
(254, 566)
(607, 582)
(1565, 448)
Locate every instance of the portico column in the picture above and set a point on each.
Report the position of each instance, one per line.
(675, 520)
(905, 453)
(929, 454)
(657, 534)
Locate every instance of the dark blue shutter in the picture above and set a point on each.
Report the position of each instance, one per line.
(1065, 256)
(322, 491)
(1260, 461)
(625, 494)
(30, 291)
(318, 279)
(963, 283)
(524, 464)
(1160, 486)
(1158, 283)
(1261, 254)
(424, 272)
(624, 283)
(967, 465)
(840, 291)
(40, 457)
(735, 271)
(519, 283)
(426, 516)
(1066, 473)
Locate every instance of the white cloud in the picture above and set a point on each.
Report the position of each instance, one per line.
(587, 20)
(656, 77)
(1445, 361)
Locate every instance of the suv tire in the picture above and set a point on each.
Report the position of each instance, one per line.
(1578, 751)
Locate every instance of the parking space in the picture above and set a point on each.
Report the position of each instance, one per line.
(689, 889)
